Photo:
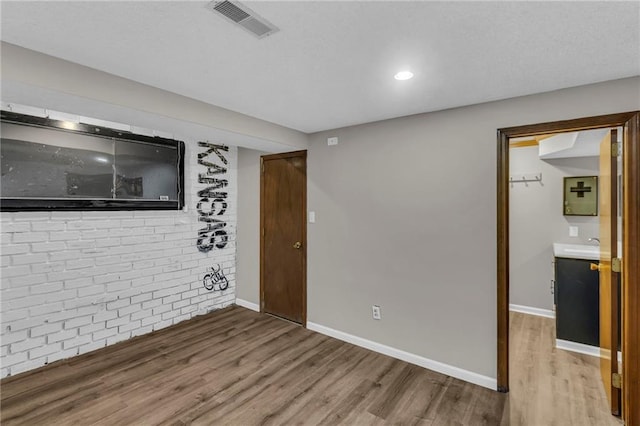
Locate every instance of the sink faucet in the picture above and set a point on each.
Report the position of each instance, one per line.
(597, 240)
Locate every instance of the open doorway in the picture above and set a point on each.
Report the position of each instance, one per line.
(630, 123)
(554, 288)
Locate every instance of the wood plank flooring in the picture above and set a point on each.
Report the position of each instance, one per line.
(238, 367)
(550, 386)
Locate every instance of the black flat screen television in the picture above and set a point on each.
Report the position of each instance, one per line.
(49, 164)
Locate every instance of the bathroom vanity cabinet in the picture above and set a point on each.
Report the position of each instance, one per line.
(577, 298)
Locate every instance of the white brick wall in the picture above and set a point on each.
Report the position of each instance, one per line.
(73, 282)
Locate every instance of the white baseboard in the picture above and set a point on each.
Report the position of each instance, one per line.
(532, 311)
(581, 348)
(248, 305)
(449, 370)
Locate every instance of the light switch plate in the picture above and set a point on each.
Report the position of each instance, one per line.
(573, 231)
(312, 217)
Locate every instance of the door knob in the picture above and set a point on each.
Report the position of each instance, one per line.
(297, 245)
(594, 266)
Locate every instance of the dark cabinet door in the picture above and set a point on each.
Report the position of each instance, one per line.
(578, 302)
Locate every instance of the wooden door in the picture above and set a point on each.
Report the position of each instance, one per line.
(609, 313)
(283, 241)
(630, 283)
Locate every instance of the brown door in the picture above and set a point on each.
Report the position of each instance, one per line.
(283, 247)
(609, 314)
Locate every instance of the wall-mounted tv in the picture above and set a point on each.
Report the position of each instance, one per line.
(49, 164)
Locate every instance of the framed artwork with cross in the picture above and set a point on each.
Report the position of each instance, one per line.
(580, 196)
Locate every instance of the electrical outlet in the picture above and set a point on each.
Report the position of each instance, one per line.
(376, 312)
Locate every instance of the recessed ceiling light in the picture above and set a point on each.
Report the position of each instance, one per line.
(403, 75)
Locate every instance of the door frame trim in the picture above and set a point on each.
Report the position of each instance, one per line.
(263, 158)
(630, 121)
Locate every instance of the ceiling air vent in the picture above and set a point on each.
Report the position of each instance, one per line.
(243, 16)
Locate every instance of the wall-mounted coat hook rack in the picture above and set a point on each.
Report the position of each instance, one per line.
(526, 177)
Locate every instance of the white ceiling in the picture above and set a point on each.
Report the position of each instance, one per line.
(332, 63)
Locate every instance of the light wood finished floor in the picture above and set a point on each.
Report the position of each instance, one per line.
(238, 367)
(550, 386)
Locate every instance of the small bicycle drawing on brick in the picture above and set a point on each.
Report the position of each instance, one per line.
(215, 280)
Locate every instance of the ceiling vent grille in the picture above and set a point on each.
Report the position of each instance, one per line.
(244, 17)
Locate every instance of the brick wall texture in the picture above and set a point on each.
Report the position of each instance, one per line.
(73, 282)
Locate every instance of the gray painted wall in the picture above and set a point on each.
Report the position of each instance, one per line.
(248, 232)
(406, 218)
(536, 222)
(35, 79)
